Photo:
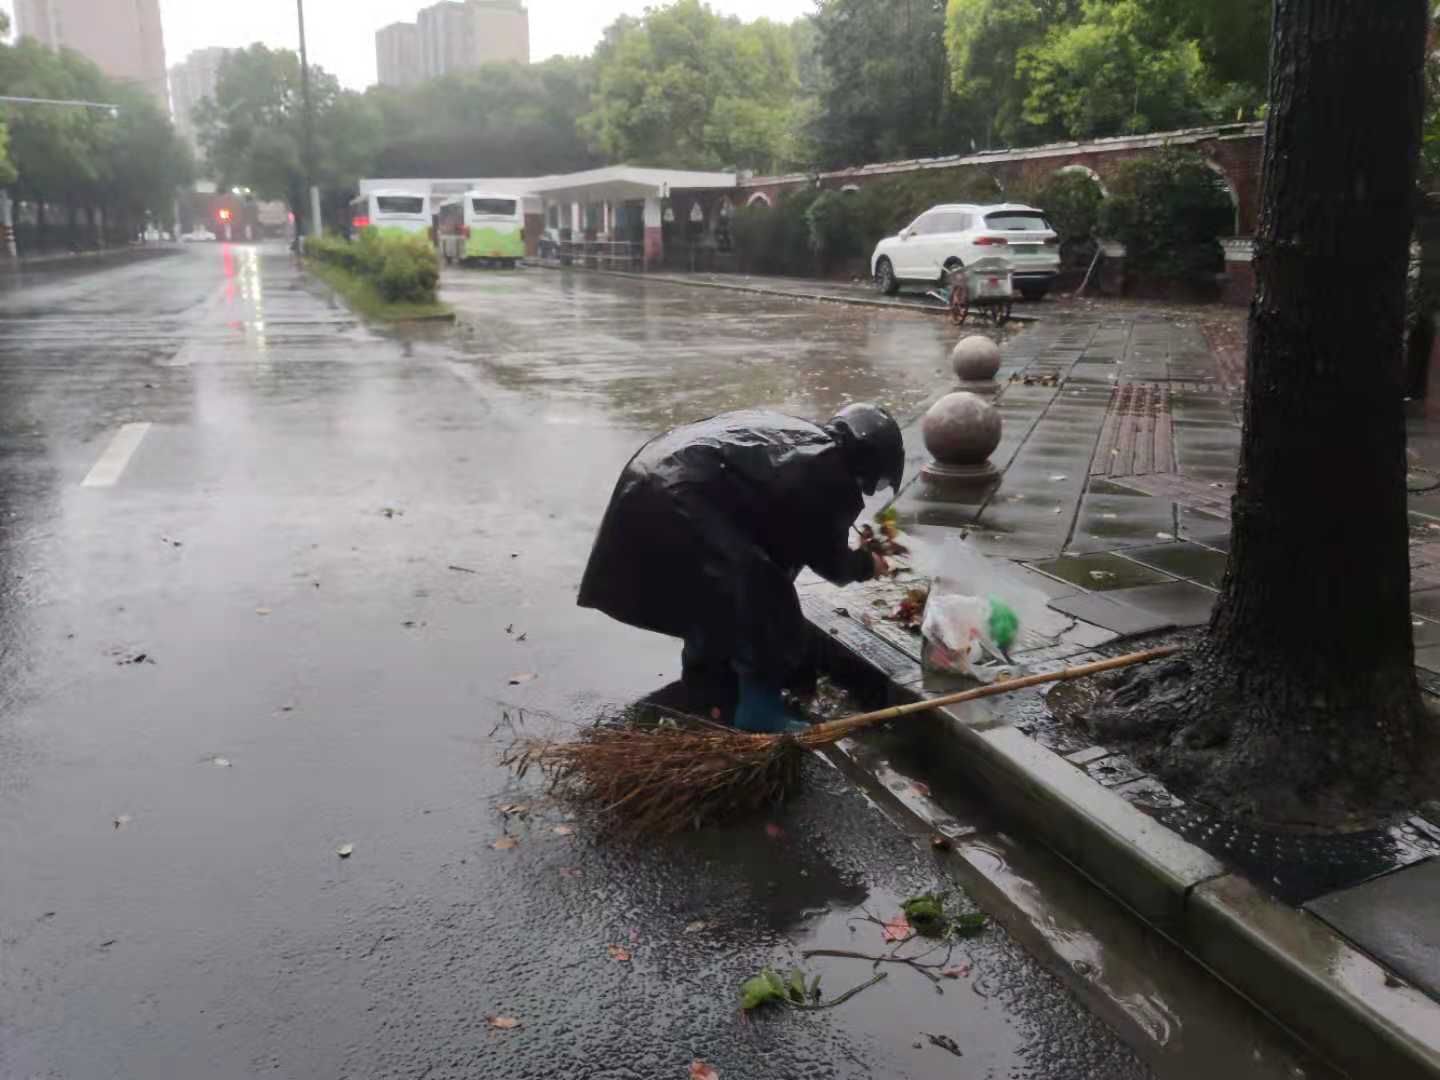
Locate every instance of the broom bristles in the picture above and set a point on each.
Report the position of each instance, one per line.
(666, 780)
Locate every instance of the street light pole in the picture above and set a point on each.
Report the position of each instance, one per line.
(313, 190)
(7, 220)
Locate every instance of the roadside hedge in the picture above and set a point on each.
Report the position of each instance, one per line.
(1169, 211)
(402, 268)
(819, 232)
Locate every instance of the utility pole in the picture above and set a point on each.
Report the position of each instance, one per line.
(309, 118)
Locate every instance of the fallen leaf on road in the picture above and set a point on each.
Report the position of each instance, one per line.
(618, 953)
(510, 629)
(696, 926)
(523, 636)
(262, 611)
(944, 1042)
(700, 1071)
(123, 820)
(959, 971)
(898, 929)
(345, 850)
(391, 512)
(564, 830)
(529, 676)
(570, 871)
(511, 809)
(503, 1023)
(775, 832)
(505, 843)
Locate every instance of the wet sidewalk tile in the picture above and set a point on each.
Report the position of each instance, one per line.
(1396, 919)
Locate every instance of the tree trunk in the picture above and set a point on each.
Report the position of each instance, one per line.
(1301, 703)
(1314, 619)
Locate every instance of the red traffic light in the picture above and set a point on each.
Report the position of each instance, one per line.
(224, 213)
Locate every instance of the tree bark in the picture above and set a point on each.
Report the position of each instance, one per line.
(1300, 703)
(1314, 618)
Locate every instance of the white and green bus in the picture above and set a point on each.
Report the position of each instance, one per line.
(390, 211)
(484, 227)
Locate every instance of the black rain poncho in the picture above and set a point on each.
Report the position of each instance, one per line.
(710, 524)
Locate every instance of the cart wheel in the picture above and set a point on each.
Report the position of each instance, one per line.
(959, 297)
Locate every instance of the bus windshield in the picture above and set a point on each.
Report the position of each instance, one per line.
(400, 204)
(494, 207)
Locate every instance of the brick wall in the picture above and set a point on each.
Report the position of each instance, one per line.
(1234, 151)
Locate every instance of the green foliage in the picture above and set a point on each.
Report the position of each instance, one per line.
(1113, 72)
(686, 87)
(830, 219)
(928, 916)
(127, 163)
(813, 230)
(1071, 201)
(1168, 211)
(7, 167)
(884, 91)
(1031, 71)
(769, 987)
(500, 120)
(985, 40)
(402, 268)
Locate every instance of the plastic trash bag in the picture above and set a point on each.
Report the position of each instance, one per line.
(974, 615)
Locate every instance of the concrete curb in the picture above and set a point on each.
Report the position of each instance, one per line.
(1332, 997)
(98, 255)
(786, 294)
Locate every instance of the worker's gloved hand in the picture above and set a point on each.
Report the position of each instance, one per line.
(762, 711)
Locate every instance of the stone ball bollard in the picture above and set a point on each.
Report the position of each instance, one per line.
(976, 358)
(961, 431)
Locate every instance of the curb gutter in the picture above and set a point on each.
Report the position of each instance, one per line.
(1332, 997)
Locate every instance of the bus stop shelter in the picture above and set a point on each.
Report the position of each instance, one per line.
(621, 206)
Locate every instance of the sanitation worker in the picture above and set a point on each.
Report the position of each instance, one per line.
(708, 528)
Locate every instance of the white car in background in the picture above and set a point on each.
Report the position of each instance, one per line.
(949, 237)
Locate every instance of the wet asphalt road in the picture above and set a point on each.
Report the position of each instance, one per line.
(292, 622)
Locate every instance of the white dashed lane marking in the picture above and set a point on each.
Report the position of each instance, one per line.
(116, 456)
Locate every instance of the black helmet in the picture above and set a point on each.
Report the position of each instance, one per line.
(873, 445)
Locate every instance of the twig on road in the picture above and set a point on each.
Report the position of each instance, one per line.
(889, 958)
(839, 1000)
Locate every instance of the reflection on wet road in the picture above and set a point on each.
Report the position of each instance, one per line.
(285, 615)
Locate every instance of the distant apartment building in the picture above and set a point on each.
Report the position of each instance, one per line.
(450, 37)
(397, 54)
(191, 82)
(123, 37)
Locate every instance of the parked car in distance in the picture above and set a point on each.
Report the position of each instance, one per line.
(198, 235)
(949, 237)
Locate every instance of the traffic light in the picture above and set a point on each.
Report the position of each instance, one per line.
(224, 213)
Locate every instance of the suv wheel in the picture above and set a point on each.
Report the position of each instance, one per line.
(885, 280)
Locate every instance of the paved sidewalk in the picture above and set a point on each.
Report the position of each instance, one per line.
(856, 293)
(1117, 465)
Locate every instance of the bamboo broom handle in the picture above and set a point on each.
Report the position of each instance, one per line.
(894, 712)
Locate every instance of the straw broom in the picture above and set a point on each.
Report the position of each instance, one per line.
(666, 780)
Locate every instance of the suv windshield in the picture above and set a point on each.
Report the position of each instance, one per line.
(400, 204)
(498, 207)
(1016, 220)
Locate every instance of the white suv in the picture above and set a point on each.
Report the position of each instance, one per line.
(945, 238)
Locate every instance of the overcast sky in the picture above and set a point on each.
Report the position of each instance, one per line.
(341, 33)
